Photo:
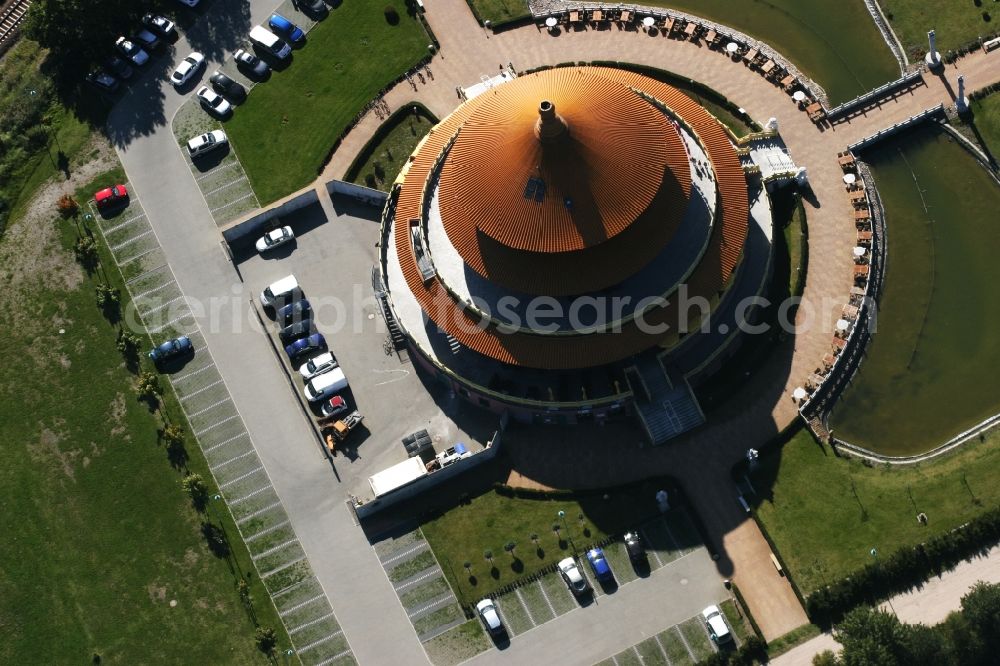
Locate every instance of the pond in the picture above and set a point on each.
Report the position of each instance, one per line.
(833, 42)
(930, 370)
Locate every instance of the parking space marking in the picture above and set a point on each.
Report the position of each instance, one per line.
(124, 224)
(234, 201)
(434, 572)
(149, 272)
(548, 601)
(210, 407)
(256, 513)
(335, 657)
(444, 600)
(159, 307)
(241, 477)
(232, 460)
(670, 534)
(160, 329)
(228, 441)
(527, 611)
(153, 290)
(216, 425)
(656, 555)
(191, 374)
(283, 567)
(202, 390)
(614, 659)
(310, 623)
(246, 497)
(663, 649)
(274, 549)
(303, 604)
(241, 179)
(320, 641)
(216, 170)
(684, 640)
(115, 248)
(124, 262)
(410, 551)
(266, 530)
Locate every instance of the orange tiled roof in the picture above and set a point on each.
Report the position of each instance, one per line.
(559, 352)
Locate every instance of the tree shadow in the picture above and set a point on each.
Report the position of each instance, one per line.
(517, 566)
(540, 553)
(495, 573)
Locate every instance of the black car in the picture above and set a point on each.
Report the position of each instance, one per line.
(102, 80)
(251, 65)
(227, 87)
(293, 332)
(313, 7)
(118, 67)
(633, 545)
(293, 312)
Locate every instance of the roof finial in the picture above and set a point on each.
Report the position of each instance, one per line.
(550, 126)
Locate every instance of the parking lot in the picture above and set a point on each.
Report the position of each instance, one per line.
(332, 259)
(160, 306)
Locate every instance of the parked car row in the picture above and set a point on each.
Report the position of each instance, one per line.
(322, 376)
(131, 52)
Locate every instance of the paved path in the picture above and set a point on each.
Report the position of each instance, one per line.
(928, 605)
(376, 625)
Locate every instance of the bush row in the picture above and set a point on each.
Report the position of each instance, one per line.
(904, 568)
(954, 54)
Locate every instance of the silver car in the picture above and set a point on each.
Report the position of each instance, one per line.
(574, 579)
(187, 68)
(213, 102)
(317, 365)
(274, 238)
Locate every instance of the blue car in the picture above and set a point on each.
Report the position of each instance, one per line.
(313, 343)
(171, 348)
(281, 25)
(599, 564)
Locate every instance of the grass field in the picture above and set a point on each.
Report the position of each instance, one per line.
(500, 10)
(102, 553)
(825, 514)
(491, 520)
(929, 371)
(378, 166)
(287, 127)
(955, 23)
(986, 118)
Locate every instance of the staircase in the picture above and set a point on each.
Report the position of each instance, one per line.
(396, 335)
(666, 409)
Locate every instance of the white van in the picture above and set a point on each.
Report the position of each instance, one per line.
(324, 386)
(270, 42)
(280, 290)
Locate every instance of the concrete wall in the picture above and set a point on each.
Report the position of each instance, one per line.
(425, 483)
(247, 232)
(367, 194)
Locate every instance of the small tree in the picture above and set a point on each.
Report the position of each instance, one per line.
(555, 528)
(391, 15)
(467, 565)
(265, 639)
(174, 438)
(534, 539)
(85, 251)
(108, 300)
(195, 487)
(148, 387)
(215, 538)
(67, 206)
(128, 344)
(488, 556)
(509, 547)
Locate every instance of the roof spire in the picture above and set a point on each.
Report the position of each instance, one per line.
(550, 125)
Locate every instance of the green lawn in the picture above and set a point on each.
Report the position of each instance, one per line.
(956, 23)
(102, 552)
(379, 164)
(491, 520)
(287, 127)
(824, 513)
(499, 11)
(986, 119)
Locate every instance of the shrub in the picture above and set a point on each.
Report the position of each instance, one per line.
(265, 639)
(216, 539)
(196, 489)
(67, 206)
(391, 15)
(85, 251)
(148, 386)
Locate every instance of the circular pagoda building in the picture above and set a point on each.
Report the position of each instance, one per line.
(573, 244)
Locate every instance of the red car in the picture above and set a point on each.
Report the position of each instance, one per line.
(110, 196)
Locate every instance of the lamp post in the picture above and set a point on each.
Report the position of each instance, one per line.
(888, 599)
(562, 518)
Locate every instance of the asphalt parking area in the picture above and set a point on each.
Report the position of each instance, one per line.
(683, 644)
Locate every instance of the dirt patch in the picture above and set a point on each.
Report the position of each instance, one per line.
(190, 557)
(156, 592)
(116, 415)
(46, 450)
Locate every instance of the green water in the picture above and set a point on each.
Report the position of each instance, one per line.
(931, 369)
(834, 42)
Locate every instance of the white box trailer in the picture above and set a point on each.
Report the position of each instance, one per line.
(397, 476)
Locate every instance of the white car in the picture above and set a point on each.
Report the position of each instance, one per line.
(317, 365)
(274, 238)
(573, 577)
(717, 626)
(488, 614)
(213, 102)
(203, 143)
(187, 68)
(130, 50)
